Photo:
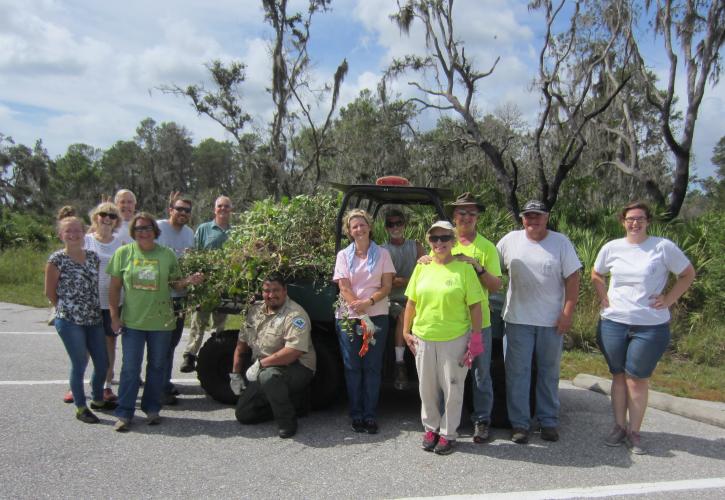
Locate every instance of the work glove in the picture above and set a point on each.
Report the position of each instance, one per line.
(236, 383)
(253, 371)
(475, 348)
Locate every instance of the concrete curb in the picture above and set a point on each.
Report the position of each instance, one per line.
(702, 411)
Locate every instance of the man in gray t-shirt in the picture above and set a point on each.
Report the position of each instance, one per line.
(543, 289)
(405, 254)
(178, 236)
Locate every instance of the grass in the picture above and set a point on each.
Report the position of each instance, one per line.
(21, 282)
(21, 276)
(675, 376)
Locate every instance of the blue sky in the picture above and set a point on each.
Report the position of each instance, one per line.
(85, 71)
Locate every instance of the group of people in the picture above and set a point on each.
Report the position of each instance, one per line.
(121, 277)
(447, 327)
(438, 302)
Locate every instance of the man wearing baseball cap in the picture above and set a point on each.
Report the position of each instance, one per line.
(543, 289)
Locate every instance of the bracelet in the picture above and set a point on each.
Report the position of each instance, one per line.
(483, 270)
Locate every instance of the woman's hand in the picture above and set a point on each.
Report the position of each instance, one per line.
(659, 302)
(604, 302)
(411, 341)
(425, 260)
(116, 326)
(359, 306)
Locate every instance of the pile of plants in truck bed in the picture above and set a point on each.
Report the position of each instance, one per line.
(295, 237)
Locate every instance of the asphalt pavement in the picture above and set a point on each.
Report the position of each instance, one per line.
(200, 450)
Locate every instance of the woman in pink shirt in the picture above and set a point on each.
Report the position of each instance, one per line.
(364, 273)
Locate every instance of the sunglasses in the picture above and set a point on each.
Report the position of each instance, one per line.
(443, 238)
(182, 209)
(143, 228)
(472, 213)
(110, 215)
(398, 223)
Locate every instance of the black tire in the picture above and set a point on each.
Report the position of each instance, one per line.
(327, 384)
(214, 364)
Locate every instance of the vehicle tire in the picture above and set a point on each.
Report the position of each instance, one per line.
(327, 384)
(214, 364)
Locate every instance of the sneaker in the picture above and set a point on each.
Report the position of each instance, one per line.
(616, 436)
(104, 405)
(122, 425)
(401, 377)
(189, 364)
(520, 435)
(550, 434)
(86, 416)
(153, 418)
(358, 425)
(169, 400)
(633, 443)
(430, 439)
(287, 431)
(444, 446)
(371, 426)
(480, 432)
(68, 397)
(108, 395)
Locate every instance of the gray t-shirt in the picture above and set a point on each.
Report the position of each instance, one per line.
(537, 270)
(404, 257)
(177, 240)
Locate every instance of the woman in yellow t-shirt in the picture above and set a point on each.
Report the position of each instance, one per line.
(442, 327)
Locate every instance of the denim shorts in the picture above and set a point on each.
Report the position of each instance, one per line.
(634, 349)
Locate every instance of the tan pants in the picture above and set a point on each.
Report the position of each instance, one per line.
(441, 380)
(199, 322)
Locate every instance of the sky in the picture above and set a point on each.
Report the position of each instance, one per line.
(88, 71)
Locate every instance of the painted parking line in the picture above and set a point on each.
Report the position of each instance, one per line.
(601, 491)
(184, 381)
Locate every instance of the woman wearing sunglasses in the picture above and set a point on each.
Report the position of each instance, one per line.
(442, 327)
(146, 272)
(105, 220)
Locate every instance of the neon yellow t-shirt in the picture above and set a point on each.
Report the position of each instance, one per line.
(442, 296)
(484, 252)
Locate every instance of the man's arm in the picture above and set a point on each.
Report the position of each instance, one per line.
(571, 297)
(283, 357)
(242, 347)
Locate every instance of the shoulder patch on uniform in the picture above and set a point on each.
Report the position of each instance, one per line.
(299, 322)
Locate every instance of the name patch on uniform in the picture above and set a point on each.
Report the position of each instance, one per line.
(299, 322)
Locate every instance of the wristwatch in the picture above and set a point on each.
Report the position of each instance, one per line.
(483, 270)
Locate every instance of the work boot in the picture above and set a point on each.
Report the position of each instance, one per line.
(401, 377)
(189, 364)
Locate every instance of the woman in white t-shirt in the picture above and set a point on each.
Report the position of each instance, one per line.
(634, 328)
(105, 219)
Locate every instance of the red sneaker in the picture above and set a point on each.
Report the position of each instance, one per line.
(108, 395)
(68, 398)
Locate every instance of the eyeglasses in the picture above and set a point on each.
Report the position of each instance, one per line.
(443, 238)
(462, 213)
(397, 223)
(143, 228)
(632, 220)
(182, 209)
(110, 215)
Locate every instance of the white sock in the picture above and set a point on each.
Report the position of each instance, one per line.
(106, 385)
(399, 352)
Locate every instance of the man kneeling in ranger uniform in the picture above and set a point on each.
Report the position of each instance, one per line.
(283, 358)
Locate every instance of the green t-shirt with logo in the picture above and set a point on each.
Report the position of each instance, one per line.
(484, 252)
(442, 296)
(147, 294)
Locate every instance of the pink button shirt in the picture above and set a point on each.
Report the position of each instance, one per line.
(364, 283)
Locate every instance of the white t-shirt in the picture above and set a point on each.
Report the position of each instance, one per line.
(537, 270)
(177, 240)
(638, 274)
(104, 251)
(122, 233)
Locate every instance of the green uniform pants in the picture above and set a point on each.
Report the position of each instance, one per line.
(277, 393)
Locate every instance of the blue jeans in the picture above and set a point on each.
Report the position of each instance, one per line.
(133, 343)
(521, 340)
(363, 374)
(482, 384)
(175, 338)
(79, 341)
(634, 349)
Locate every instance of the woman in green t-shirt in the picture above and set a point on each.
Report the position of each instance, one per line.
(146, 272)
(442, 327)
